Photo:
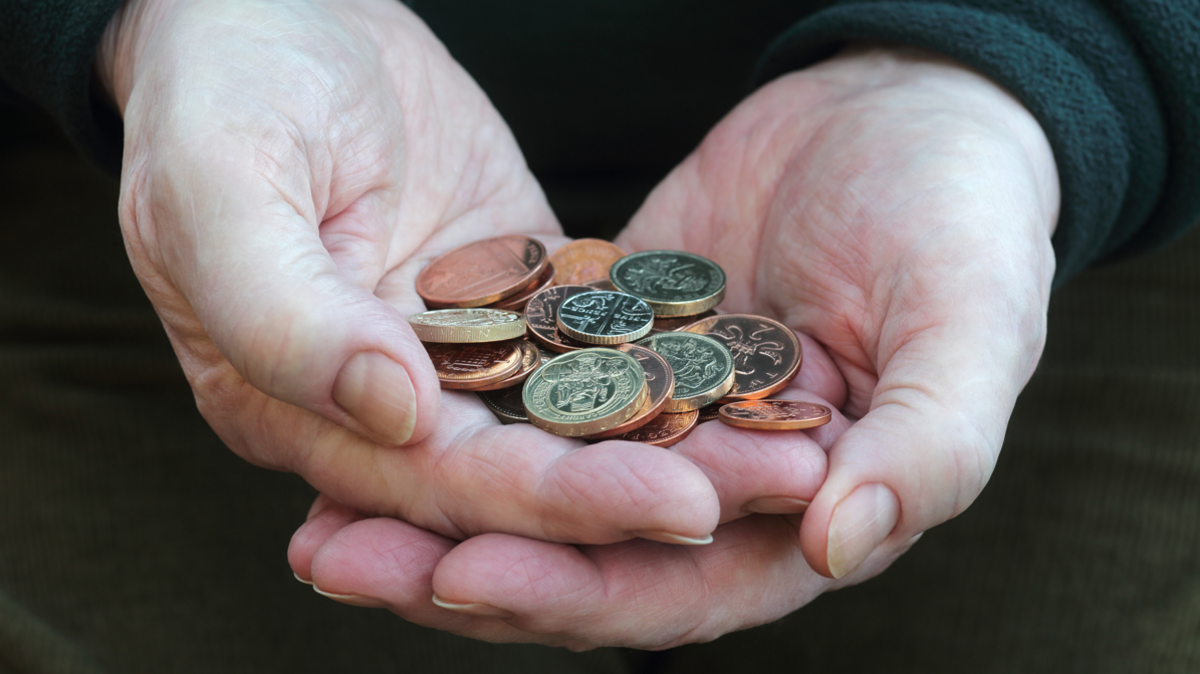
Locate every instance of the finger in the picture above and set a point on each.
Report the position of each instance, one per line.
(639, 594)
(769, 472)
(925, 449)
(385, 563)
(245, 253)
(519, 479)
(325, 518)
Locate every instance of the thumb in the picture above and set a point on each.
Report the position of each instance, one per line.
(923, 451)
(252, 269)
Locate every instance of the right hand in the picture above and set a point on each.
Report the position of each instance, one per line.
(289, 168)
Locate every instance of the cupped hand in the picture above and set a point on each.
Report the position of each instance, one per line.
(897, 208)
(289, 168)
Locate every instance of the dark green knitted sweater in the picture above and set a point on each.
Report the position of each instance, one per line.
(627, 87)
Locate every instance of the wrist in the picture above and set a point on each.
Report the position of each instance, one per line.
(124, 41)
(944, 86)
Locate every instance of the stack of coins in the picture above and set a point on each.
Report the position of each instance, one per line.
(607, 345)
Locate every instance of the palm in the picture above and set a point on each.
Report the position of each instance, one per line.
(290, 168)
(897, 209)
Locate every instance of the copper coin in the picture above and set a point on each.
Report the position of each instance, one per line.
(461, 365)
(663, 430)
(482, 272)
(541, 317)
(766, 353)
(517, 302)
(601, 284)
(583, 260)
(531, 359)
(660, 382)
(506, 404)
(775, 415)
(676, 323)
(710, 412)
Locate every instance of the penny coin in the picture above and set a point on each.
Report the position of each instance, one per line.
(462, 365)
(585, 392)
(775, 415)
(766, 353)
(482, 272)
(517, 302)
(531, 359)
(603, 317)
(710, 412)
(541, 314)
(459, 326)
(676, 323)
(601, 284)
(506, 404)
(703, 368)
(583, 260)
(663, 430)
(672, 282)
(660, 384)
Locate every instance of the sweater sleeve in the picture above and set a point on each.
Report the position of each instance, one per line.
(1115, 85)
(47, 50)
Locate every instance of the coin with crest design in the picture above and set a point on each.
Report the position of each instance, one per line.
(775, 415)
(766, 353)
(585, 392)
(482, 272)
(603, 317)
(672, 282)
(541, 314)
(702, 366)
(459, 326)
(660, 384)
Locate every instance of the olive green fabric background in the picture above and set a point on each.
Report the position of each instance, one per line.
(132, 541)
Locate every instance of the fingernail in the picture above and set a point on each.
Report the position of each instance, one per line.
(673, 539)
(482, 610)
(352, 599)
(859, 524)
(777, 505)
(376, 390)
(306, 582)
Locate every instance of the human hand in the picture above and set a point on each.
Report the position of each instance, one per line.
(897, 208)
(289, 168)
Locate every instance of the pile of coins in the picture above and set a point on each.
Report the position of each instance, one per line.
(595, 344)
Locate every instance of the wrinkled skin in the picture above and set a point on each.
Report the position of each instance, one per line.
(898, 209)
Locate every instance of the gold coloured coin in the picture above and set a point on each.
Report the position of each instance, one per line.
(461, 326)
(663, 430)
(775, 415)
(605, 318)
(531, 359)
(585, 392)
(584, 259)
(460, 366)
(660, 384)
(703, 368)
(766, 353)
(672, 282)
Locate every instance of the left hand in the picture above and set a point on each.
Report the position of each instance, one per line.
(891, 204)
